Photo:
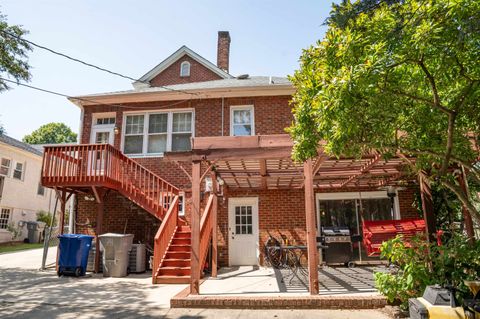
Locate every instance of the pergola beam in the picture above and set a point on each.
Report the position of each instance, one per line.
(365, 168)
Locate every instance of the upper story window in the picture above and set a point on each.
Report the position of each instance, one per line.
(185, 69)
(41, 189)
(242, 121)
(5, 166)
(153, 133)
(19, 171)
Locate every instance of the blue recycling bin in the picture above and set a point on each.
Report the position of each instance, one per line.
(73, 257)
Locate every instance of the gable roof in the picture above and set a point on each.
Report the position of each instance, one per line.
(184, 50)
(18, 144)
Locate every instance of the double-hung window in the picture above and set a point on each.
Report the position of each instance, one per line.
(154, 133)
(4, 217)
(242, 121)
(18, 172)
(5, 166)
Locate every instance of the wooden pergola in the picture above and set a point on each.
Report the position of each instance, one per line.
(264, 162)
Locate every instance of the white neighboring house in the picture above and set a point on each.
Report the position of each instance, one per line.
(21, 193)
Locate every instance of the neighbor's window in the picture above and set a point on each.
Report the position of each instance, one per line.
(40, 189)
(185, 69)
(4, 217)
(2, 182)
(5, 166)
(242, 121)
(18, 171)
(158, 132)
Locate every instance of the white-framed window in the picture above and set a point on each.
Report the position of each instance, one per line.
(5, 165)
(2, 183)
(4, 217)
(242, 120)
(185, 69)
(40, 189)
(19, 171)
(104, 119)
(154, 133)
(181, 203)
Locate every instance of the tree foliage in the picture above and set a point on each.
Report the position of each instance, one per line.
(51, 133)
(13, 53)
(395, 76)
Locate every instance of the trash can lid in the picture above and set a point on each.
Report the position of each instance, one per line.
(74, 236)
(115, 235)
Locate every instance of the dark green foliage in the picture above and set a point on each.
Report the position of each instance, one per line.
(51, 133)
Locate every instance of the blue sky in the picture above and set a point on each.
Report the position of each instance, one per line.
(131, 37)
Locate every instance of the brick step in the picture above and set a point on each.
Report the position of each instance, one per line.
(174, 271)
(180, 248)
(181, 241)
(177, 255)
(176, 263)
(171, 280)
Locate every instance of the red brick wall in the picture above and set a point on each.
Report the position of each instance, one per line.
(171, 75)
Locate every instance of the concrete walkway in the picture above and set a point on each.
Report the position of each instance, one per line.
(26, 292)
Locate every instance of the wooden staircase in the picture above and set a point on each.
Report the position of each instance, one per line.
(175, 267)
(89, 167)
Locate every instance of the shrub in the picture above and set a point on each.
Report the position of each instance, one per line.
(46, 217)
(414, 268)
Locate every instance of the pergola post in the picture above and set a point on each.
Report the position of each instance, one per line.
(427, 207)
(195, 227)
(213, 176)
(311, 228)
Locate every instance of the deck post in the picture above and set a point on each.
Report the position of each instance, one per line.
(467, 217)
(62, 196)
(311, 228)
(213, 175)
(99, 196)
(427, 207)
(195, 226)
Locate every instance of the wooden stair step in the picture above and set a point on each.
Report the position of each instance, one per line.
(174, 271)
(181, 241)
(176, 263)
(177, 255)
(171, 279)
(180, 248)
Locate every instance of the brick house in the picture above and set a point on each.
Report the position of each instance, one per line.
(200, 155)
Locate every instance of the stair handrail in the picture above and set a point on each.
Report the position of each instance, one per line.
(206, 227)
(103, 163)
(164, 236)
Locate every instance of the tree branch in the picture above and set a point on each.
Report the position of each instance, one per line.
(436, 98)
(463, 198)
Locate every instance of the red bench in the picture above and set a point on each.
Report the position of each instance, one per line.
(376, 232)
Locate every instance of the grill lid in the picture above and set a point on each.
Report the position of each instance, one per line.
(336, 231)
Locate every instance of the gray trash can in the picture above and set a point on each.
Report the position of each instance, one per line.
(115, 248)
(33, 232)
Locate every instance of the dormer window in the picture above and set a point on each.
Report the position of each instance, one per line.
(185, 69)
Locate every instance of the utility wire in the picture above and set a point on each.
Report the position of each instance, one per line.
(88, 100)
(86, 63)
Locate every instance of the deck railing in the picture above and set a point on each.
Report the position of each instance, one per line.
(206, 227)
(164, 236)
(104, 165)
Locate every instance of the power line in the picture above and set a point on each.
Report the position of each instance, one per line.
(89, 100)
(87, 63)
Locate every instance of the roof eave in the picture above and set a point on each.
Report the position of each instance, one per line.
(141, 97)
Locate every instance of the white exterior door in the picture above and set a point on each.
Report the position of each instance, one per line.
(102, 135)
(243, 242)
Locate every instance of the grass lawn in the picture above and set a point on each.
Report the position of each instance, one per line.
(11, 247)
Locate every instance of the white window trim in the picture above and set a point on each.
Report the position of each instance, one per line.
(9, 217)
(145, 130)
(182, 196)
(242, 107)
(96, 116)
(9, 173)
(181, 68)
(14, 168)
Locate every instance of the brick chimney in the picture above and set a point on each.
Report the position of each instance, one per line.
(223, 50)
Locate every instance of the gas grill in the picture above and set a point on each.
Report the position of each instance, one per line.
(339, 242)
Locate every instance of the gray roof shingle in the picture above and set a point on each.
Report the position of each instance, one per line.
(18, 144)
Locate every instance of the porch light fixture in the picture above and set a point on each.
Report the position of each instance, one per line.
(89, 198)
(116, 130)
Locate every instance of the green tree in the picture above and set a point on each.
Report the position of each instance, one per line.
(13, 53)
(395, 76)
(51, 133)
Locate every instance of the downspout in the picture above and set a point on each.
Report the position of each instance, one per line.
(223, 104)
(71, 215)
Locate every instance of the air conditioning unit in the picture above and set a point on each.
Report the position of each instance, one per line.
(137, 258)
